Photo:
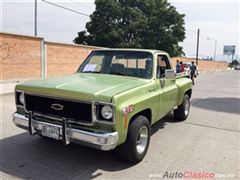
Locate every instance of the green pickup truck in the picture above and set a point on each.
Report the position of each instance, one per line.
(109, 103)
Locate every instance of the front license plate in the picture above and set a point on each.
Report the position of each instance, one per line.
(51, 132)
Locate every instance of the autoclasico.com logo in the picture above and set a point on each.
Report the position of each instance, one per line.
(191, 175)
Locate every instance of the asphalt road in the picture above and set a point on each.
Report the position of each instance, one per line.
(208, 141)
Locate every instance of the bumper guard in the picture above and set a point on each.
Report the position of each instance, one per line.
(102, 141)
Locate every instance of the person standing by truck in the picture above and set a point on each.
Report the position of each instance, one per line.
(148, 68)
(182, 67)
(193, 71)
(178, 67)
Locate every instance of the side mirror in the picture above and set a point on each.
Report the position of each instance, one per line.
(170, 74)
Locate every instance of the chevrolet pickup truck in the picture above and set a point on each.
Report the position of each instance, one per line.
(109, 103)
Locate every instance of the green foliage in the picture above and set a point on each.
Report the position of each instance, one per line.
(150, 24)
(234, 63)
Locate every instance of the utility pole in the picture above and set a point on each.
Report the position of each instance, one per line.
(198, 32)
(215, 50)
(35, 19)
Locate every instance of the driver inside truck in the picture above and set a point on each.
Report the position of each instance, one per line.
(148, 68)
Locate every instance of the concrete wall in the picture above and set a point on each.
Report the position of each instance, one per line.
(21, 58)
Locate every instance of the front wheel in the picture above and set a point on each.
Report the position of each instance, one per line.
(137, 142)
(182, 112)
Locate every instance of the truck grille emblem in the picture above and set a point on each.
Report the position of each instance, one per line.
(57, 107)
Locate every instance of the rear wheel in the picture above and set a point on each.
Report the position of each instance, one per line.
(182, 112)
(137, 142)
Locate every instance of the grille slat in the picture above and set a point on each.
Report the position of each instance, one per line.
(74, 110)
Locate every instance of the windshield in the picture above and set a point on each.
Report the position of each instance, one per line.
(124, 63)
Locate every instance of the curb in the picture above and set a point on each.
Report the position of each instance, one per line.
(215, 71)
(8, 88)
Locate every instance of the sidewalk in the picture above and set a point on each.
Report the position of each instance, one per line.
(7, 87)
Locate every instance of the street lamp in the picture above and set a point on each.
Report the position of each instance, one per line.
(215, 49)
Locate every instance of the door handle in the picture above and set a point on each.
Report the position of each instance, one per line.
(152, 90)
(162, 82)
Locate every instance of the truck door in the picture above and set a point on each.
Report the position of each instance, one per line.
(167, 88)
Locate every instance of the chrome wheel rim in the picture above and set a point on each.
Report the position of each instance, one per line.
(187, 106)
(142, 140)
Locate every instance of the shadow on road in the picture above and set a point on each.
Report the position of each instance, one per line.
(228, 105)
(35, 157)
(28, 157)
(162, 123)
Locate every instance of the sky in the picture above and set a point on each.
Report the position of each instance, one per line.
(218, 20)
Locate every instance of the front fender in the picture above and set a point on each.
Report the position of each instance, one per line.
(184, 85)
(141, 98)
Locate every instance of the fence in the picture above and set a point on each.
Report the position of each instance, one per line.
(27, 57)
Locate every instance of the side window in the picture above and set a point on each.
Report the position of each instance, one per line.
(119, 60)
(163, 64)
(130, 62)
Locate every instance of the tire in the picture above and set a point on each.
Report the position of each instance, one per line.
(135, 147)
(182, 112)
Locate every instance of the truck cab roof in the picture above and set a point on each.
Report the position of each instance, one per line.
(153, 51)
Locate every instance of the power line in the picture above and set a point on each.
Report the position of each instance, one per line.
(82, 3)
(204, 40)
(189, 34)
(192, 31)
(66, 8)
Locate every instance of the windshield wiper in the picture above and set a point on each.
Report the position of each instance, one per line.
(90, 72)
(119, 73)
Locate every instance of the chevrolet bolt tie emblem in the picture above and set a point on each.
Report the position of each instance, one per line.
(57, 107)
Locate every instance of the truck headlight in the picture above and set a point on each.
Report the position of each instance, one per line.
(21, 98)
(107, 112)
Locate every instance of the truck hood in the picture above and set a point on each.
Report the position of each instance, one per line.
(84, 86)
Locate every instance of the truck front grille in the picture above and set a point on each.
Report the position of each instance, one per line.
(60, 108)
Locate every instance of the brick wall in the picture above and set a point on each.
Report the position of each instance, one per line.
(21, 58)
(203, 65)
(65, 58)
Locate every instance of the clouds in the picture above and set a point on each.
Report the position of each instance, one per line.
(219, 20)
(226, 33)
(54, 23)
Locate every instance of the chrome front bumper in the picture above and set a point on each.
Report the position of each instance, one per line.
(103, 141)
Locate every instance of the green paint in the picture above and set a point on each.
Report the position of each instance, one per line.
(119, 90)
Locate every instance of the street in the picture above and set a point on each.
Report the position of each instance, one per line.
(208, 141)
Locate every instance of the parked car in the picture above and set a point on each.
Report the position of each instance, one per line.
(109, 103)
(237, 67)
(187, 66)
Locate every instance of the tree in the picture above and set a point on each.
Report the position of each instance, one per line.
(234, 63)
(150, 24)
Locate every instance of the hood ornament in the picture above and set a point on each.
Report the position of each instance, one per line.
(57, 107)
